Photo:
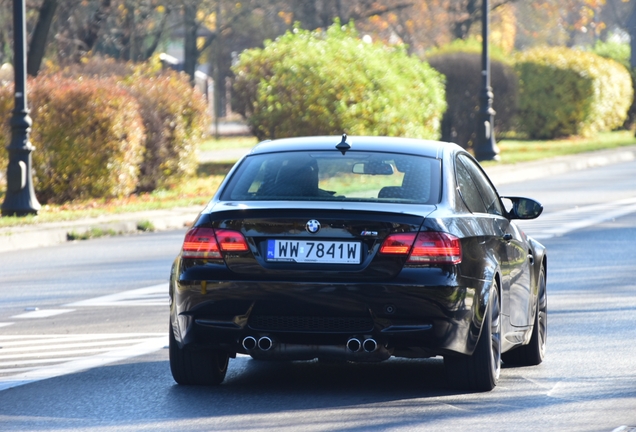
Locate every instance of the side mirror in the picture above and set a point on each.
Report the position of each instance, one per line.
(522, 208)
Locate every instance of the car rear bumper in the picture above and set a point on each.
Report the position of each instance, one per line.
(318, 319)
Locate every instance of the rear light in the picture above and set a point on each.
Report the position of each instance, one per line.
(200, 243)
(424, 248)
(203, 243)
(436, 248)
(231, 241)
(398, 244)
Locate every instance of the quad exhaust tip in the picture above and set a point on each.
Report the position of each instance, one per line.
(265, 343)
(370, 345)
(354, 344)
(249, 343)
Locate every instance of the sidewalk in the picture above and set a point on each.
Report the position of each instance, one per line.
(47, 234)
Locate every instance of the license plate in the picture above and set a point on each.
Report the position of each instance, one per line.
(324, 252)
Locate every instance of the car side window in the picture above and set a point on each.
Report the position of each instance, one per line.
(488, 193)
(467, 189)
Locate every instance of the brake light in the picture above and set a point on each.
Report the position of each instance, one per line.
(207, 243)
(231, 241)
(200, 243)
(424, 248)
(398, 244)
(436, 248)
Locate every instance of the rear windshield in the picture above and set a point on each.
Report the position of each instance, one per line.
(331, 176)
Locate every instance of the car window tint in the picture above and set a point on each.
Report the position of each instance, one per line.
(488, 193)
(356, 176)
(467, 188)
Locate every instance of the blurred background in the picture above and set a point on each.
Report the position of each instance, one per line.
(132, 96)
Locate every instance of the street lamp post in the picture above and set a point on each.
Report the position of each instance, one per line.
(20, 199)
(485, 148)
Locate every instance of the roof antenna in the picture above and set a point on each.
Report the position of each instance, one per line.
(343, 146)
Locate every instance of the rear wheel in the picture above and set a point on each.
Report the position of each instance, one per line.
(196, 366)
(533, 353)
(480, 371)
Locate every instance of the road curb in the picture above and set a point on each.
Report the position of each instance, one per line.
(513, 173)
(52, 233)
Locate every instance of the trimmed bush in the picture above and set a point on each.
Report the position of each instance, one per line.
(567, 92)
(172, 113)
(462, 71)
(6, 111)
(88, 137)
(331, 82)
(620, 52)
(175, 118)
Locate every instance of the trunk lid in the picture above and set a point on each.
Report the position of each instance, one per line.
(315, 242)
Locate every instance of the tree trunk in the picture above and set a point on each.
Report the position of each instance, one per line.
(191, 52)
(306, 13)
(37, 46)
(95, 24)
(156, 36)
(461, 28)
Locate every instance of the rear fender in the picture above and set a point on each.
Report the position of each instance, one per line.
(480, 304)
(179, 323)
(539, 259)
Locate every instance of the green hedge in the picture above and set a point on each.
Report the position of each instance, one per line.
(99, 137)
(462, 72)
(89, 136)
(6, 108)
(176, 119)
(330, 82)
(567, 92)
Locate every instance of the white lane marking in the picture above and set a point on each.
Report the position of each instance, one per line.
(15, 370)
(14, 340)
(41, 349)
(44, 313)
(145, 347)
(73, 352)
(565, 221)
(6, 324)
(156, 295)
(34, 362)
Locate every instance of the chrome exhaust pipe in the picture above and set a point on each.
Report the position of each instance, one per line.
(370, 345)
(265, 343)
(354, 345)
(249, 343)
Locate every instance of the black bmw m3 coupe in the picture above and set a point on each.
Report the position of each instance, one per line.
(359, 249)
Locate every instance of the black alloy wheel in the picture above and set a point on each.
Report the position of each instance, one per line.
(196, 366)
(480, 371)
(533, 353)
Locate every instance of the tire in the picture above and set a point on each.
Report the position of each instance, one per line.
(533, 353)
(480, 371)
(196, 366)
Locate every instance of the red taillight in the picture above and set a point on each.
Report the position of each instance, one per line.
(231, 241)
(436, 248)
(398, 244)
(200, 243)
(203, 243)
(425, 247)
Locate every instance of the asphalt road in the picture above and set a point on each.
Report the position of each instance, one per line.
(92, 356)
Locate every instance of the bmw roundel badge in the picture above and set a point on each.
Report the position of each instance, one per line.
(313, 226)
